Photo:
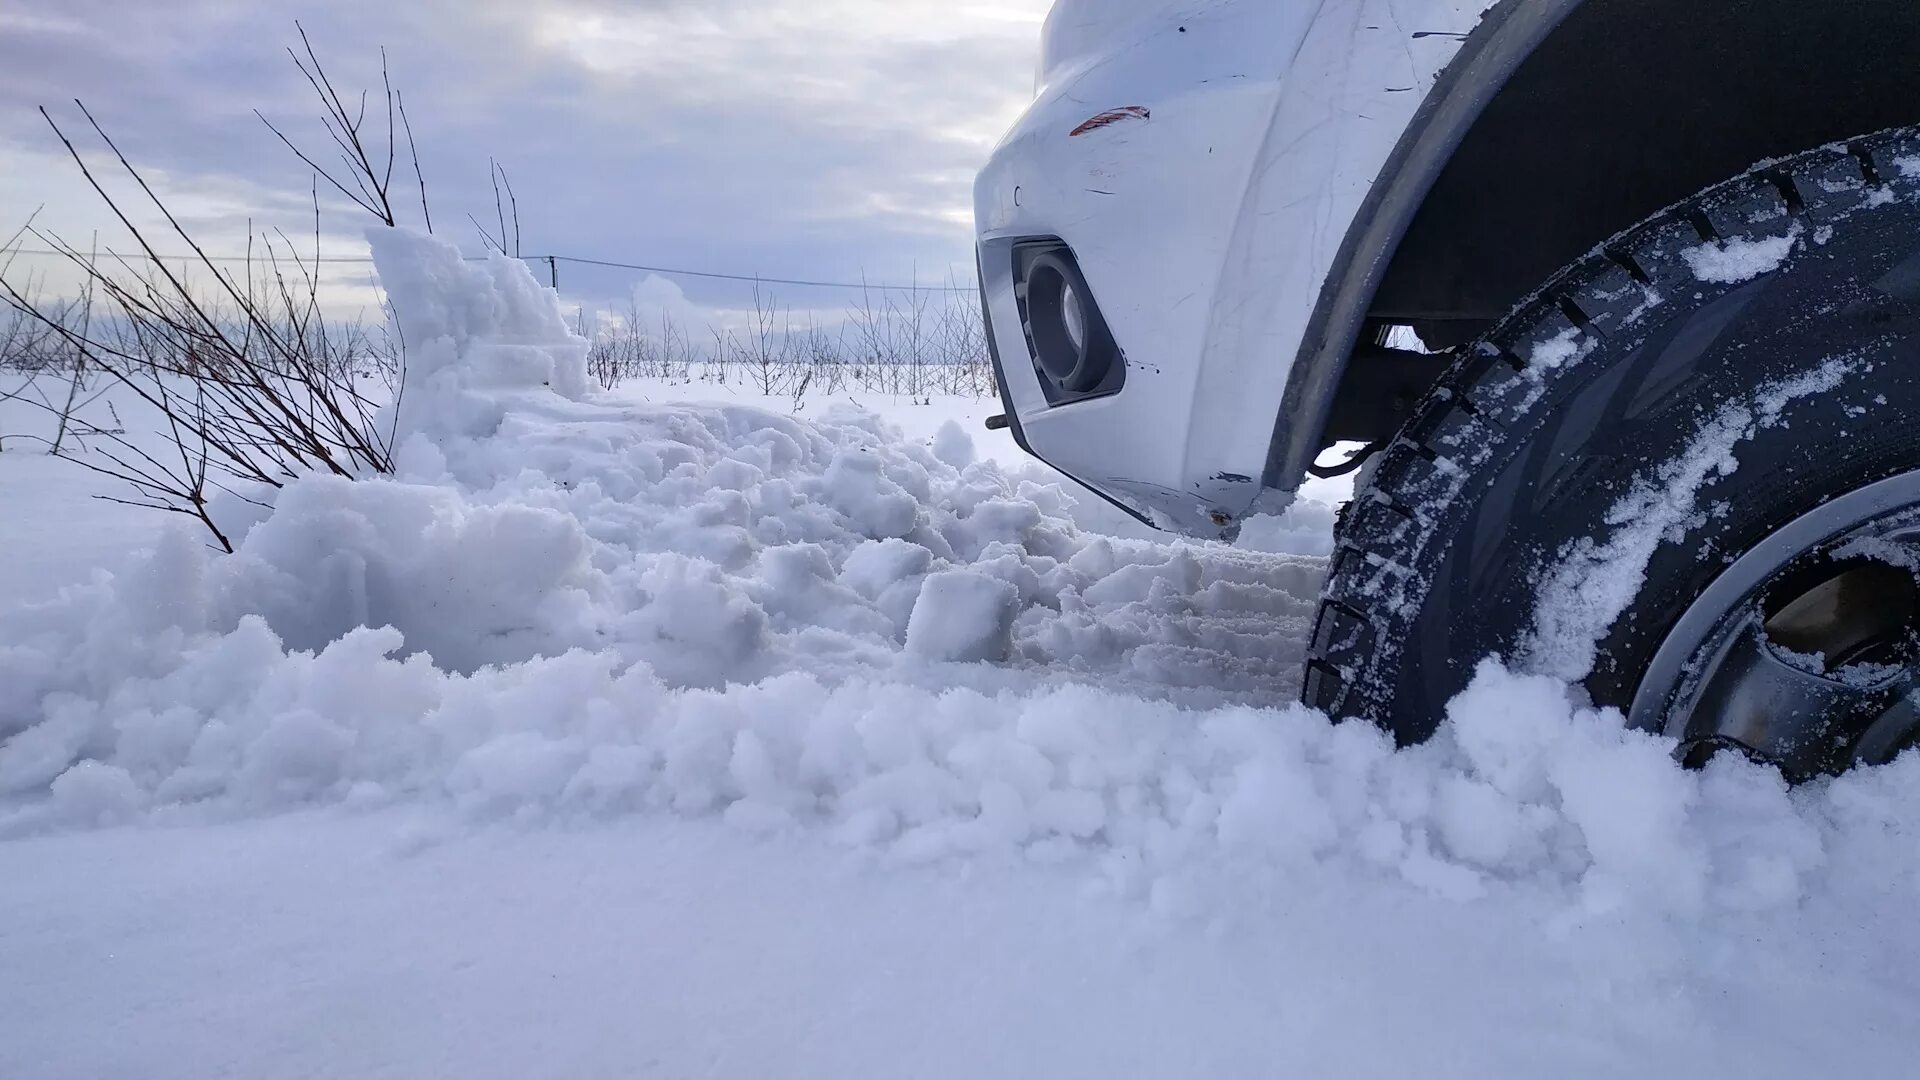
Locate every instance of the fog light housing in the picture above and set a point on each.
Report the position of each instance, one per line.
(1072, 347)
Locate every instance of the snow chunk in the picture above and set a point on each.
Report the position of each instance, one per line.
(486, 323)
(91, 794)
(1730, 262)
(1304, 528)
(953, 445)
(965, 616)
(874, 503)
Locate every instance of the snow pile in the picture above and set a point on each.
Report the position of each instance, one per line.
(1523, 791)
(472, 327)
(696, 546)
(568, 609)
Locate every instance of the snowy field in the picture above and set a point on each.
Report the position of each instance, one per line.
(640, 735)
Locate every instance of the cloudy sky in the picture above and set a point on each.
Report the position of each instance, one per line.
(789, 138)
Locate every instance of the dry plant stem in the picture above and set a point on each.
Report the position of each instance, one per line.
(372, 179)
(413, 152)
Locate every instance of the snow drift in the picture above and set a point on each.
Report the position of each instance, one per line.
(569, 608)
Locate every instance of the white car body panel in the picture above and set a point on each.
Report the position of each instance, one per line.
(1205, 227)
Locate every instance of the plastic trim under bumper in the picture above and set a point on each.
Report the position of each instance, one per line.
(1013, 415)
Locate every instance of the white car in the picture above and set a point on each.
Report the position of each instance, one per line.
(1651, 424)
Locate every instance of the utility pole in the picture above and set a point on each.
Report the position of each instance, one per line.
(553, 272)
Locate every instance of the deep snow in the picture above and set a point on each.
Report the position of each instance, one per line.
(619, 737)
(392, 946)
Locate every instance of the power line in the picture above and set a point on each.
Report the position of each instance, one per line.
(664, 270)
(210, 258)
(755, 279)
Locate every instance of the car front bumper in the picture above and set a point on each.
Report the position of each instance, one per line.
(1204, 169)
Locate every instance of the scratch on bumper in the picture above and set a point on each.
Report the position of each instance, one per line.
(1112, 116)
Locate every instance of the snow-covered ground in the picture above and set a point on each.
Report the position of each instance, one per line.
(620, 735)
(1305, 529)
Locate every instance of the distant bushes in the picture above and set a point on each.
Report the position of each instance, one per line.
(913, 344)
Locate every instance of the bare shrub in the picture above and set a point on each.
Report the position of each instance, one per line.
(251, 383)
(761, 345)
(964, 366)
(824, 358)
(48, 374)
(890, 335)
(677, 351)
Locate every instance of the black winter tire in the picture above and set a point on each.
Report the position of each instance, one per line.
(1511, 465)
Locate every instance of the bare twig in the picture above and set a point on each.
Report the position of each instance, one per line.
(493, 174)
(359, 151)
(486, 238)
(513, 205)
(414, 153)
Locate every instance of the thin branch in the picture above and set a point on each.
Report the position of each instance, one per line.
(515, 205)
(315, 166)
(414, 153)
(487, 238)
(493, 174)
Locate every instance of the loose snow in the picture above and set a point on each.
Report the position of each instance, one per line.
(612, 737)
(1880, 549)
(1594, 580)
(1565, 347)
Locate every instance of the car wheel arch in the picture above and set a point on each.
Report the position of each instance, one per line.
(1402, 259)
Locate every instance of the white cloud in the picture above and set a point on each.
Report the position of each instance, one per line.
(789, 138)
(657, 301)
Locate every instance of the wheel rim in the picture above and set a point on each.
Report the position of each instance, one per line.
(1805, 652)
